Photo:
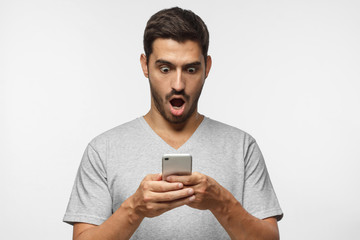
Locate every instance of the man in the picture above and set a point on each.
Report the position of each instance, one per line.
(228, 196)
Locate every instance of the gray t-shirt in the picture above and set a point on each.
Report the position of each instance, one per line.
(115, 163)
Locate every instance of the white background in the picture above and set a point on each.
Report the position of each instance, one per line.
(287, 72)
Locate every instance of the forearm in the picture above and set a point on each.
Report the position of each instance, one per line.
(121, 225)
(241, 225)
(153, 198)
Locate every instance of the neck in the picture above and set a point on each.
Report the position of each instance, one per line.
(158, 122)
(174, 134)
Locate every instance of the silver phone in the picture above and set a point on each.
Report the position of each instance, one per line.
(176, 164)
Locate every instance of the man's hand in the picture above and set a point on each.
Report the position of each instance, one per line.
(208, 193)
(154, 196)
(238, 223)
(151, 199)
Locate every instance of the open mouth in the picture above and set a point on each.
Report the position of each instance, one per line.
(177, 106)
(177, 103)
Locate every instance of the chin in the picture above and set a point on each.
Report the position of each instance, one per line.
(176, 119)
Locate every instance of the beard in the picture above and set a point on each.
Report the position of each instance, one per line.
(160, 104)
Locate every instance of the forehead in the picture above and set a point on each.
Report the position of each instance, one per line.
(176, 52)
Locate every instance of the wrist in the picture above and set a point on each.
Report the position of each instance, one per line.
(227, 206)
(130, 208)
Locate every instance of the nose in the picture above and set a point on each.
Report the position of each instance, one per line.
(178, 83)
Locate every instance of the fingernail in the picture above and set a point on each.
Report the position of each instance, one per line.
(192, 198)
(180, 185)
(191, 191)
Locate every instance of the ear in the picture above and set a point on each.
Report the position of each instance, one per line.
(208, 65)
(144, 66)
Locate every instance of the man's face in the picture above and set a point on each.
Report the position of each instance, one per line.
(176, 73)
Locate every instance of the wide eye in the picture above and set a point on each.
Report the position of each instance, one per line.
(164, 69)
(191, 70)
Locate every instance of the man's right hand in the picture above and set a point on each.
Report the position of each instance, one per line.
(154, 196)
(151, 199)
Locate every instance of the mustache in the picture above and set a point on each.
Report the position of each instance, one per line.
(174, 92)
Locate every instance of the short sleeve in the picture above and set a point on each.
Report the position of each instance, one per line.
(259, 197)
(90, 200)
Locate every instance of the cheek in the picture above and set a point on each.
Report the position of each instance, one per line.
(157, 81)
(160, 89)
(195, 87)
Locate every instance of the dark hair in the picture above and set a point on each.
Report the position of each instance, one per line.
(177, 24)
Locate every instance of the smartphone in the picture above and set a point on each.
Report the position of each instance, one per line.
(176, 164)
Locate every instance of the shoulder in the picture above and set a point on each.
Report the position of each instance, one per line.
(225, 131)
(117, 134)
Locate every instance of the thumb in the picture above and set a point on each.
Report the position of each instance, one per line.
(154, 177)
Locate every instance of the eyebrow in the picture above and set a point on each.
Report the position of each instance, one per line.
(193, 64)
(161, 61)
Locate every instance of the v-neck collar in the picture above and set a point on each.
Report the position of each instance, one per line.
(158, 139)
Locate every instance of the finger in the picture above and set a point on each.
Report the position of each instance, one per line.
(185, 179)
(174, 195)
(153, 177)
(168, 196)
(162, 186)
(166, 206)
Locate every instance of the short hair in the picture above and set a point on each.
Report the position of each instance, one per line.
(177, 24)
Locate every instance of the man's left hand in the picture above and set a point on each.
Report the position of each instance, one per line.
(209, 194)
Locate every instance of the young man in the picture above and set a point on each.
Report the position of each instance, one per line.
(228, 196)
